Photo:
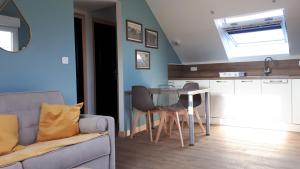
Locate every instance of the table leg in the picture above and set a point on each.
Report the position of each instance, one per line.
(207, 111)
(191, 121)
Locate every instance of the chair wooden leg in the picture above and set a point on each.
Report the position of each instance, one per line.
(149, 126)
(172, 120)
(134, 123)
(167, 121)
(179, 128)
(186, 116)
(182, 122)
(199, 120)
(161, 125)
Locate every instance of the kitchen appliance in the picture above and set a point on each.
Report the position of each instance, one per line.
(232, 74)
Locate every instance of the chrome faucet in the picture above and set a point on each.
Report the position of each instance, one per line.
(267, 69)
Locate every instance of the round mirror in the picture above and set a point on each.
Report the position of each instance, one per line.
(14, 30)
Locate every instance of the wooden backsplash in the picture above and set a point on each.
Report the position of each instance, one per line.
(279, 68)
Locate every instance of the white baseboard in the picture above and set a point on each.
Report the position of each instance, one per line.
(228, 122)
(277, 126)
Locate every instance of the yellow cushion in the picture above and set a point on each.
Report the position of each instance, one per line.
(58, 121)
(8, 133)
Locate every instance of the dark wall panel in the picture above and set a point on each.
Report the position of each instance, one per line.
(279, 68)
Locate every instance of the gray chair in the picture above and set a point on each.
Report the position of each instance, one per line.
(197, 100)
(171, 111)
(142, 102)
(174, 111)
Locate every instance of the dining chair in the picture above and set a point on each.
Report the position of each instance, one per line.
(170, 111)
(197, 100)
(143, 103)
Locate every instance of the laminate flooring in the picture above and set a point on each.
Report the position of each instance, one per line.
(226, 148)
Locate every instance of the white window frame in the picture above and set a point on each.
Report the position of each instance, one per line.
(232, 49)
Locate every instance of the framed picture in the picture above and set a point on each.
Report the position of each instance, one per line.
(142, 59)
(134, 31)
(151, 38)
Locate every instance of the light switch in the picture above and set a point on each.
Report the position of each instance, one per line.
(65, 60)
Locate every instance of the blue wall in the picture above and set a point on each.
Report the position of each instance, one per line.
(38, 67)
(138, 10)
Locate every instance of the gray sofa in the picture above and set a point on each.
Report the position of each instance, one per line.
(98, 153)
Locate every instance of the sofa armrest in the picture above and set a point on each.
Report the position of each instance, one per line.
(95, 123)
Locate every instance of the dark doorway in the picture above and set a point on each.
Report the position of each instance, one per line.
(79, 59)
(106, 71)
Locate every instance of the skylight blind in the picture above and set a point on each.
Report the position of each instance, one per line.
(253, 28)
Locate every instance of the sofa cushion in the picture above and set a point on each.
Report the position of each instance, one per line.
(27, 108)
(58, 121)
(71, 156)
(8, 133)
(93, 125)
(17, 165)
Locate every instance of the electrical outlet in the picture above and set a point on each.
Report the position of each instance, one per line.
(65, 60)
(193, 69)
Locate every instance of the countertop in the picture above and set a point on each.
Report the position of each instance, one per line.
(238, 78)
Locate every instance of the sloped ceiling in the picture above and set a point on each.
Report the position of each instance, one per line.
(191, 23)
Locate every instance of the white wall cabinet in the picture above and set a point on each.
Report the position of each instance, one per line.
(277, 102)
(222, 98)
(296, 100)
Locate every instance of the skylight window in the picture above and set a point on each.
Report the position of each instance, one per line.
(261, 34)
(256, 16)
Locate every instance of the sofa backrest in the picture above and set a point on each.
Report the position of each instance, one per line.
(27, 107)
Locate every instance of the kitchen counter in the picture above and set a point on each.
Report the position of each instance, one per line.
(238, 78)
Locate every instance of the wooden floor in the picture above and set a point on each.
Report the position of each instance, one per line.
(226, 148)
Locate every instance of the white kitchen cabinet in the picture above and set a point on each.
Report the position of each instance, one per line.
(222, 97)
(177, 83)
(277, 102)
(247, 87)
(180, 83)
(248, 102)
(202, 84)
(296, 100)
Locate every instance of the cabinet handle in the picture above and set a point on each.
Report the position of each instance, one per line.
(220, 81)
(247, 81)
(275, 81)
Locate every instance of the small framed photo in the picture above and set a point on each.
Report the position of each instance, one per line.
(142, 59)
(151, 38)
(134, 31)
